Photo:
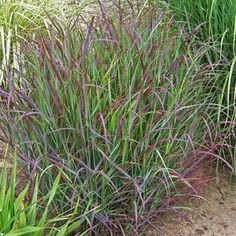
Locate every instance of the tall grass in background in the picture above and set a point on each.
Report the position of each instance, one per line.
(121, 109)
(217, 20)
(17, 20)
(22, 18)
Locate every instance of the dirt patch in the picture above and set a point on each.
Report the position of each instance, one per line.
(6, 158)
(215, 216)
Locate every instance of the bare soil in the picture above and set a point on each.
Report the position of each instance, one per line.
(214, 216)
(6, 158)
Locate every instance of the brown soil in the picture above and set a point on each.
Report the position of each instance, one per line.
(214, 216)
(6, 158)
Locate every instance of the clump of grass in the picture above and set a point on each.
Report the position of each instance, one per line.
(120, 109)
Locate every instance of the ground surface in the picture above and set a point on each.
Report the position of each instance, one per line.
(6, 158)
(215, 217)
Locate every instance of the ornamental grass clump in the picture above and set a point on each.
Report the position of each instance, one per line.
(121, 110)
